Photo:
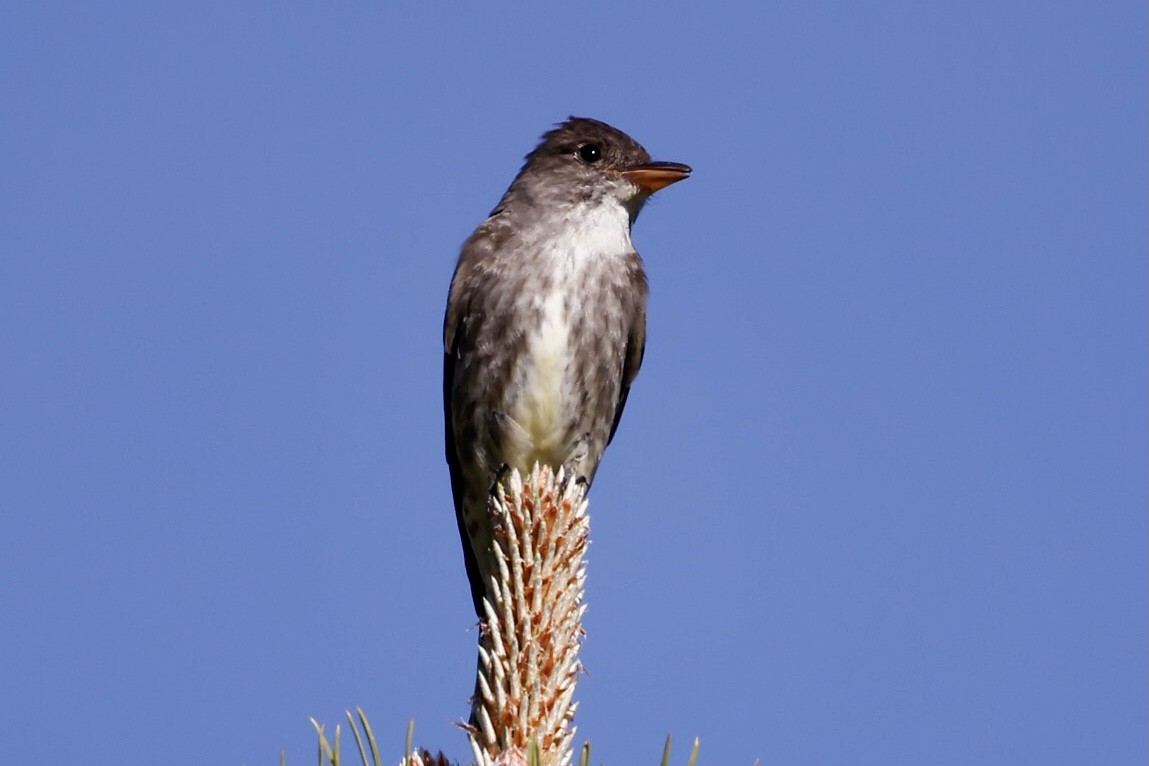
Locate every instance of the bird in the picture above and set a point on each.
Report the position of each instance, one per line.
(545, 326)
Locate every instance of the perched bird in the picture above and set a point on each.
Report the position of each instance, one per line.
(546, 321)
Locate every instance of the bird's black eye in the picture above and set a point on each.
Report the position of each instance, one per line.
(590, 153)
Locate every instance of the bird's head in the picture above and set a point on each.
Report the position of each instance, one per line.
(587, 161)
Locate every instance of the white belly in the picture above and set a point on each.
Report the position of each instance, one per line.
(542, 409)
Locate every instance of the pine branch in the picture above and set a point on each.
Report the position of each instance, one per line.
(530, 640)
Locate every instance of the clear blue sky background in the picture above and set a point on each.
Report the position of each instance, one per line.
(880, 495)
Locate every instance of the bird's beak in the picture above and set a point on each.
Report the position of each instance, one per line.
(655, 175)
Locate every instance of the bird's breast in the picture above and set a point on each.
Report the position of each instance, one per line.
(542, 408)
(572, 318)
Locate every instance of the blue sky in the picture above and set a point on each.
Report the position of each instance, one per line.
(880, 493)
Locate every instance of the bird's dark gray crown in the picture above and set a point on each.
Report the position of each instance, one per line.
(564, 142)
(558, 170)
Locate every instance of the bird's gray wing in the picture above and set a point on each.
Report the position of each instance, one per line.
(460, 326)
(453, 335)
(635, 348)
(457, 489)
